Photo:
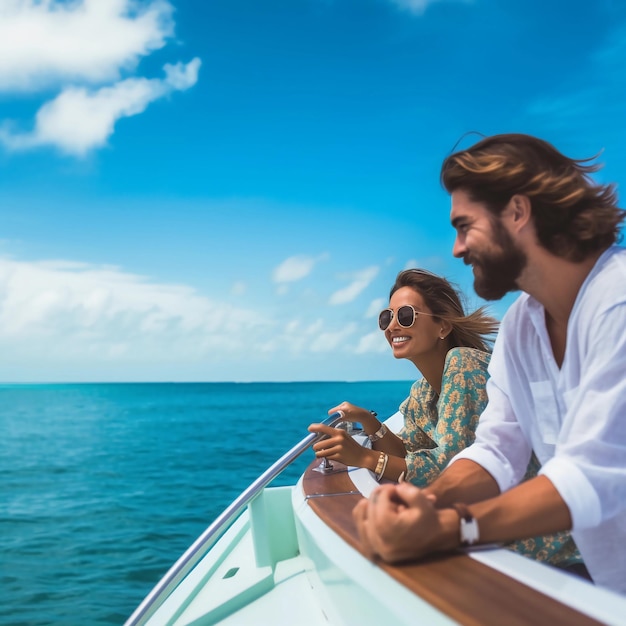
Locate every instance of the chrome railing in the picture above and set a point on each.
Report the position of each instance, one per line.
(201, 545)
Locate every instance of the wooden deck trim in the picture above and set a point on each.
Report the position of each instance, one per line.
(467, 591)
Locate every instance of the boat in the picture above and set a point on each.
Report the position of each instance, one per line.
(291, 555)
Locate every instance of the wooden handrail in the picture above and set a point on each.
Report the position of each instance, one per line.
(459, 586)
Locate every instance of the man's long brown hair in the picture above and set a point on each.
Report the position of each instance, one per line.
(573, 216)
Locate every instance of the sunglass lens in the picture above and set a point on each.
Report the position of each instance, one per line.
(384, 319)
(406, 316)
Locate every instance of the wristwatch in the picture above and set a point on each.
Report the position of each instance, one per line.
(468, 526)
(380, 433)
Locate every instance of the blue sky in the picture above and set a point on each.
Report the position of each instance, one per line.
(225, 189)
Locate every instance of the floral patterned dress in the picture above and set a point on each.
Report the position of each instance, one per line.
(437, 427)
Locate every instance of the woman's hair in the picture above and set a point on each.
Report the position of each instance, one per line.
(445, 303)
(573, 216)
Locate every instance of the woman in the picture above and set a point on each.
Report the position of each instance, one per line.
(426, 324)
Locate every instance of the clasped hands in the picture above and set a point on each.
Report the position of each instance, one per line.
(399, 522)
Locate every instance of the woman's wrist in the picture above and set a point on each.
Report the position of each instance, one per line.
(370, 422)
(370, 461)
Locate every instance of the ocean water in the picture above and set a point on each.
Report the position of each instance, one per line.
(104, 486)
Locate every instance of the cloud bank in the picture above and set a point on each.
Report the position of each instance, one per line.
(64, 310)
(81, 317)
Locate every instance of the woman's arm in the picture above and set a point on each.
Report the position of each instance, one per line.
(340, 446)
(389, 442)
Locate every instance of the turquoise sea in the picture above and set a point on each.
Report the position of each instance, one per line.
(104, 486)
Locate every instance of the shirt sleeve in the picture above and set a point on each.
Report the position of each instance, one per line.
(462, 400)
(500, 446)
(588, 468)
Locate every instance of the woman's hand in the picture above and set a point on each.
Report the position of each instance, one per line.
(352, 413)
(340, 446)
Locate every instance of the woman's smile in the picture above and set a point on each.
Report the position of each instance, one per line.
(401, 339)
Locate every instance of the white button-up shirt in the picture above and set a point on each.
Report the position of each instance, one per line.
(574, 418)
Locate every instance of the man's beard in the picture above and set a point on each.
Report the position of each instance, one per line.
(499, 269)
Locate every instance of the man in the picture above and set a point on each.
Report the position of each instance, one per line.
(529, 218)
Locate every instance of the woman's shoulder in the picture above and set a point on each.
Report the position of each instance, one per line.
(461, 358)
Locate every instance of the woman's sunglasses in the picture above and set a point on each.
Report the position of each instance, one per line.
(406, 316)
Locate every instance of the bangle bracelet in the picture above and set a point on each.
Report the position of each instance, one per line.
(379, 434)
(468, 526)
(381, 466)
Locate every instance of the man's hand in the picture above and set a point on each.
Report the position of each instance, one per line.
(400, 522)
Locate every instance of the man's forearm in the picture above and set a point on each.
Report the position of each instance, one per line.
(464, 481)
(531, 509)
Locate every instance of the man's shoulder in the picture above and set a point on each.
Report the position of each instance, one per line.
(610, 270)
(605, 287)
(519, 309)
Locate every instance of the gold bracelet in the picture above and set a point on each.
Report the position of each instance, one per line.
(381, 466)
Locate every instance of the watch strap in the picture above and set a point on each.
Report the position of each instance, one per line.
(379, 434)
(468, 525)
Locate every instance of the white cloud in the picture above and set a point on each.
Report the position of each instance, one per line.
(296, 268)
(418, 7)
(239, 288)
(375, 307)
(82, 49)
(46, 42)
(297, 337)
(360, 281)
(60, 310)
(434, 264)
(329, 341)
(372, 342)
(78, 120)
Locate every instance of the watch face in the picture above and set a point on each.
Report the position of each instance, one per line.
(469, 531)
(468, 526)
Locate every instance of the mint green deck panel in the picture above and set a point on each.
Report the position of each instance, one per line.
(273, 527)
(208, 579)
(279, 564)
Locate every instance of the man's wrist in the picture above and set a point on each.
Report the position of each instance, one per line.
(468, 526)
(449, 538)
